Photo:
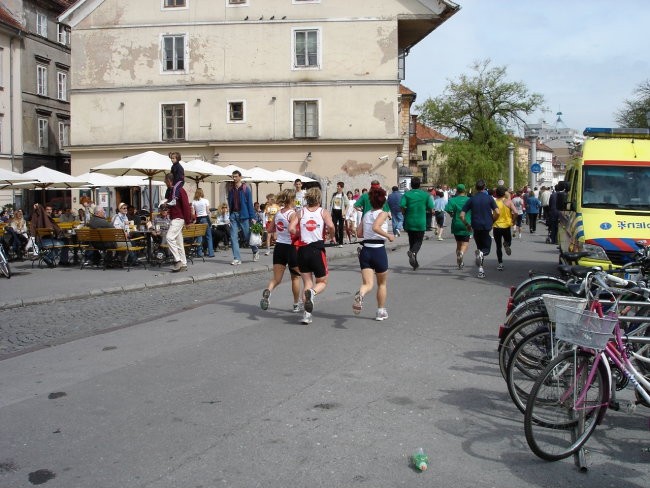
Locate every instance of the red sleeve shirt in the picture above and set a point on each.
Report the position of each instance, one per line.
(182, 208)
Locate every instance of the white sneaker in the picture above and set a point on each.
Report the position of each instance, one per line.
(479, 258)
(264, 302)
(235, 262)
(256, 256)
(171, 203)
(297, 307)
(439, 238)
(500, 267)
(306, 318)
(357, 305)
(382, 314)
(459, 259)
(267, 253)
(481, 272)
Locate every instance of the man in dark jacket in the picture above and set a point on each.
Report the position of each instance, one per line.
(242, 212)
(180, 215)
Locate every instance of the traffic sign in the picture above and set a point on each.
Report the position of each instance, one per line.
(536, 168)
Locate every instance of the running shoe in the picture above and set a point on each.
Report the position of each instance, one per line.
(256, 256)
(479, 258)
(297, 307)
(397, 233)
(235, 262)
(481, 272)
(306, 318)
(412, 259)
(309, 301)
(439, 238)
(459, 259)
(507, 249)
(264, 302)
(382, 314)
(357, 305)
(500, 267)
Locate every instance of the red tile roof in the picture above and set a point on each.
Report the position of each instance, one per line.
(424, 133)
(405, 91)
(7, 18)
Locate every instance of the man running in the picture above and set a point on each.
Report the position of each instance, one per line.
(484, 213)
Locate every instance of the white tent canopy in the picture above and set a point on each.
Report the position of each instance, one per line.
(45, 178)
(288, 176)
(100, 179)
(9, 178)
(199, 171)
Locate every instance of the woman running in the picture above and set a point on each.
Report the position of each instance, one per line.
(373, 258)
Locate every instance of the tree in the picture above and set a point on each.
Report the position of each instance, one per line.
(476, 111)
(635, 110)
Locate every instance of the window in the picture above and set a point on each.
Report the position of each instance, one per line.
(236, 111)
(41, 24)
(42, 133)
(306, 54)
(401, 64)
(41, 80)
(174, 53)
(63, 34)
(64, 134)
(305, 119)
(62, 86)
(173, 122)
(174, 3)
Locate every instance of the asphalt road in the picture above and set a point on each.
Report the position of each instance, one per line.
(203, 389)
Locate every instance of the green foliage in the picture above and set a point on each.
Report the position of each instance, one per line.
(634, 111)
(477, 110)
(257, 228)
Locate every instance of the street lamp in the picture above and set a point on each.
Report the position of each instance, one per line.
(403, 174)
(511, 166)
(532, 135)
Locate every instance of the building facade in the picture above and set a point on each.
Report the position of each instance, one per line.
(35, 74)
(310, 86)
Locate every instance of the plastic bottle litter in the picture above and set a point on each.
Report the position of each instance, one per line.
(420, 459)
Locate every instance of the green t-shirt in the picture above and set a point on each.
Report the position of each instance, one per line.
(453, 208)
(363, 203)
(416, 203)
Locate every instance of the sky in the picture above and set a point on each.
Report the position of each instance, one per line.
(584, 56)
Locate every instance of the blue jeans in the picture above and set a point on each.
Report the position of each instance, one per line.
(398, 221)
(208, 236)
(235, 224)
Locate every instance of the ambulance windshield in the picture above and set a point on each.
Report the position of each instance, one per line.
(624, 187)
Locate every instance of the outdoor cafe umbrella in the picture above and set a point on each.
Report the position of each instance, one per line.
(259, 175)
(9, 178)
(43, 178)
(202, 171)
(149, 164)
(284, 176)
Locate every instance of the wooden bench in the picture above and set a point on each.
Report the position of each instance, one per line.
(109, 240)
(190, 233)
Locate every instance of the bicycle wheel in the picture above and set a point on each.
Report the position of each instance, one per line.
(538, 321)
(530, 287)
(563, 410)
(4, 264)
(527, 361)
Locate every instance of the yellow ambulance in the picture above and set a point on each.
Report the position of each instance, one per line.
(608, 202)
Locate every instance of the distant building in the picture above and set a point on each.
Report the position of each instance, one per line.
(309, 86)
(427, 141)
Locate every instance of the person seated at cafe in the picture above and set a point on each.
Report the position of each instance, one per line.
(42, 219)
(86, 210)
(159, 228)
(98, 221)
(67, 216)
(121, 221)
(221, 227)
(16, 234)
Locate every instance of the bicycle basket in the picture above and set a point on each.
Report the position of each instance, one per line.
(552, 301)
(583, 327)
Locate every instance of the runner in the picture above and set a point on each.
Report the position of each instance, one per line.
(458, 229)
(284, 253)
(372, 257)
(312, 261)
(502, 225)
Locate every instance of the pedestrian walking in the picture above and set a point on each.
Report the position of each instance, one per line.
(179, 215)
(397, 218)
(484, 213)
(518, 202)
(242, 212)
(311, 225)
(439, 204)
(533, 207)
(460, 232)
(284, 252)
(415, 204)
(201, 212)
(502, 225)
(351, 219)
(338, 206)
(373, 259)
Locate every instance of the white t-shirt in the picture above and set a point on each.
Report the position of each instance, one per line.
(201, 207)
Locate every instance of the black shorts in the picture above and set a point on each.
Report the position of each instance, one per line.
(312, 260)
(374, 258)
(285, 254)
(461, 238)
(440, 219)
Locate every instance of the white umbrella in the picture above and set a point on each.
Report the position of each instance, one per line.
(231, 167)
(100, 179)
(259, 175)
(199, 171)
(287, 176)
(150, 164)
(8, 178)
(47, 178)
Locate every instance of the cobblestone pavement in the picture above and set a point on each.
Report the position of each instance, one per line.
(26, 329)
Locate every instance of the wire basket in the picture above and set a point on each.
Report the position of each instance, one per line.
(551, 301)
(583, 327)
